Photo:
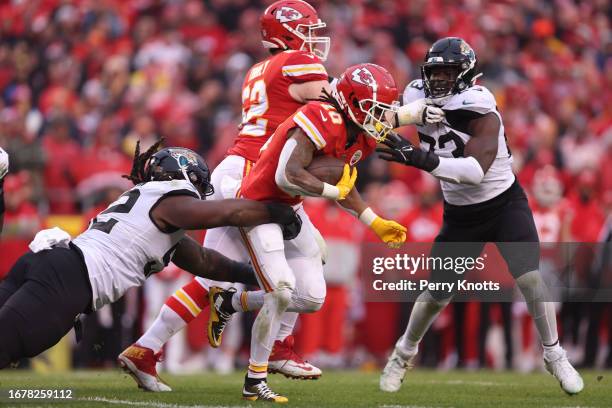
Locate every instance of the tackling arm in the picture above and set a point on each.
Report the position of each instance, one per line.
(207, 263)
(480, 152)
(189, 213)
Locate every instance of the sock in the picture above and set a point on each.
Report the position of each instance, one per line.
(248, 301)
(180, 308)
(287, 324)
(424, 312)
(543, 313)
(265, 330)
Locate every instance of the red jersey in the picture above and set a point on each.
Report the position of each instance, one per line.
(326, 129)
(266, 101)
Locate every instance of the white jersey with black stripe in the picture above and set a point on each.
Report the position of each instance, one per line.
(449, 137)
(123, 246)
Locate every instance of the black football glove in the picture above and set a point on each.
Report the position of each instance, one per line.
(402, 151)
(289, 221)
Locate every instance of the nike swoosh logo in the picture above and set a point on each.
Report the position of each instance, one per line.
(468, 103)
(323, 117)
(303, 367)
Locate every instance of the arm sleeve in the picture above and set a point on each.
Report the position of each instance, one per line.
(301, 66)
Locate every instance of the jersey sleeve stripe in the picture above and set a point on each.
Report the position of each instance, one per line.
(305, 69)
(311, 130)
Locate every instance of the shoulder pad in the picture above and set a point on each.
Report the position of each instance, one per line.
(413, 91)
(476, 98)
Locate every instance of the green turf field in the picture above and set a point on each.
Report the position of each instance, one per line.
(335, 389)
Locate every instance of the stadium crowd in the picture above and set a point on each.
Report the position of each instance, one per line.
(82, 81)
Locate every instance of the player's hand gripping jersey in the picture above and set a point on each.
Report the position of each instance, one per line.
(448, 139)
(326, 129)
(266, 101)
(123, 245)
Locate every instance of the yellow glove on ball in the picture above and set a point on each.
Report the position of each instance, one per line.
(344, 186)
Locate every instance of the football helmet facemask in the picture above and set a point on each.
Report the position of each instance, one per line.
(179, 163)
(449, 68)
(292, 25)
(368, 95)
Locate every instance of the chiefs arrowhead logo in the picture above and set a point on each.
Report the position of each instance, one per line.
(363, 76)
(286, 14)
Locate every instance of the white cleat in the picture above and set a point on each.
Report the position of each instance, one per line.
(559, 366)
(394, 372)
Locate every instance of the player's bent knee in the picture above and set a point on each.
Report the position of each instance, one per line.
(305, 305)
(282, 296)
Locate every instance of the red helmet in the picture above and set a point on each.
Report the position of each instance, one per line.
(291, 25)
(367, 93)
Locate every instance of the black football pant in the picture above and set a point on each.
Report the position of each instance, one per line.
(39, 301)
(505, 220)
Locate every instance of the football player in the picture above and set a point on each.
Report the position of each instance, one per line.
(346, 126)
(273, 89)
(134, 237)
(4, 168)
(483, 201)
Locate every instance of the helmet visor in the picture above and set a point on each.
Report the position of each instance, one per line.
(317, 45)
(378, 118)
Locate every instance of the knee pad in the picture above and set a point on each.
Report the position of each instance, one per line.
(305, 305)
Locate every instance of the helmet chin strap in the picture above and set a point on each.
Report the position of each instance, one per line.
(184, 171)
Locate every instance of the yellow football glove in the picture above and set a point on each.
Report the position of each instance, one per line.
(390, 232)
(344, 186)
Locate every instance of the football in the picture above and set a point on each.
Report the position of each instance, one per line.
(326, 168)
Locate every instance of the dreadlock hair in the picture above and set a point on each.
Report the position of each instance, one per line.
(352, 129)
(138, 173)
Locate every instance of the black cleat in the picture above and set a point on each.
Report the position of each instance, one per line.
(221, 312)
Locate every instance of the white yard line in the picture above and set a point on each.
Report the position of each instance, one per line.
(151, 403)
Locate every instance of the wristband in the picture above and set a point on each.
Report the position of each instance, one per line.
(411, 113)
(331, 192)
(368, 216)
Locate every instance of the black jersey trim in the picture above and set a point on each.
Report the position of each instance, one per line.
(172, 193)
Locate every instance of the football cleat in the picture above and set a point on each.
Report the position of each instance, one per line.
(258, 390)
(558, 365)
(286, 361)
(394, 372)
(139, 362)
(221, 311)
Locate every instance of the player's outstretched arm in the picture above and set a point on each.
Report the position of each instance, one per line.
(190, 213)
(479, 153)
(208, 263)
(292, 176)
(388, 231)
